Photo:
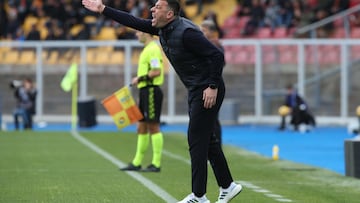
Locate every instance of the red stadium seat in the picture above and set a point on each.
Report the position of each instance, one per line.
(244, 57)
(269, 54)
(354, 2)
(269, 57)
(264, 32)
(339, 23)
(287, 54)
(355, 32)
(288, 57)
(338, 33)
(242, 21)
(329, 54)
(281, 32)
(355, 52)
(230, 22)
(232, 33)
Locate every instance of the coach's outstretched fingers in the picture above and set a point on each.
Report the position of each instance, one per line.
(94, 5)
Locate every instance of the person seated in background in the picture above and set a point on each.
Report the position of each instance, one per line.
(25, 95)
(34, 33)
(296, 106)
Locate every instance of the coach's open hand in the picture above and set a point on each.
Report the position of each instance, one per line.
(94, 5)
(209, 97)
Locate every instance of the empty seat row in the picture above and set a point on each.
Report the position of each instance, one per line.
(288, 54)
(52, 57)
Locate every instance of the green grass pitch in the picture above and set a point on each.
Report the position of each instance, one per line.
(57, 167)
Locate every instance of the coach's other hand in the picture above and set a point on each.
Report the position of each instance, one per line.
(209, 97)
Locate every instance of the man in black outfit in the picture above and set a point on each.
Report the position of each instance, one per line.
(199, 65)
(25, 95)
(300, 113)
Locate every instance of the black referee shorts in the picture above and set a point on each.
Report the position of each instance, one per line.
(150, 103)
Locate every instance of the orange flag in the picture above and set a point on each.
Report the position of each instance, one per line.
(122, 108)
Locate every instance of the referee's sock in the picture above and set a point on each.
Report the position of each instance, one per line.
(157, 145)
(142, 145)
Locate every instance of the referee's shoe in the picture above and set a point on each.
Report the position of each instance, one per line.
(131, 167)
(151, 168)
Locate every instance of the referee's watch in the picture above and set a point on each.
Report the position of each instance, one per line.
(213, 86)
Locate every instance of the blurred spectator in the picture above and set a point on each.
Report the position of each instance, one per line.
(256, 18)
(245, 8)
(339, 5)
(13, 22)
(122, 33)
(286, 12)
(132, 8)
(144, 8)
(299, 14)
(199, 6)
(311, 4)
(210, 31)
(55, 10)
(324, 4)
(3, 20)
(22, 7)
(324, 30)
(211, 15)
(84, 33)
(299, 111)
(36, 8)
(271, 18)
(25, 94)
(69, 13)
(34, 33)
(20, 35)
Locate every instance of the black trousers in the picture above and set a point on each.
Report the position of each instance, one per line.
(204, 144)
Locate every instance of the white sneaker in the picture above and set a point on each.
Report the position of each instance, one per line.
(193, 199)
(228, 194)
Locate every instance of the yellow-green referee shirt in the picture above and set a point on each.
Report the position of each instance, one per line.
(150, 58)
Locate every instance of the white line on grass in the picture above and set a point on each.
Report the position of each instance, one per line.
(267, 193)
(146, 182)
(247, 184)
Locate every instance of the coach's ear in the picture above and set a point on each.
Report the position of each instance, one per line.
(170, 14)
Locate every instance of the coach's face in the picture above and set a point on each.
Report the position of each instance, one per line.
(161, 14)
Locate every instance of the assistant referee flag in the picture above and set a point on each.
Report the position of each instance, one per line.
(70, 78)
(122, 108)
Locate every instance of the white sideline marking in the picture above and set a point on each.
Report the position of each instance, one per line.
(247, 184)
(267, 193)
(175, 156)
(146, 182)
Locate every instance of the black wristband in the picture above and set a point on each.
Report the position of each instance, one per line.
(143, 78)
(213, 86)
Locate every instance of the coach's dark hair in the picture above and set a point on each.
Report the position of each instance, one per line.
(174, 5)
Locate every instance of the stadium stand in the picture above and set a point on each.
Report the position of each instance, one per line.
(27, 57)
(10, 57)
(106, 33)
(232, 20)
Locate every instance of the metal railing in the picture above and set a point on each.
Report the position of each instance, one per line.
(248, 82)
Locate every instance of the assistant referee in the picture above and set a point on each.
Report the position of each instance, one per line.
(150, 76)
